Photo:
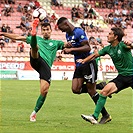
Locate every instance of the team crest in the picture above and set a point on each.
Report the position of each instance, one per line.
(119, 51)
(82, 36)
(50, 44)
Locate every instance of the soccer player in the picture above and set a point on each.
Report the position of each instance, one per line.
(120, 53)
(42, 54)
(94, 44)
(86, 72)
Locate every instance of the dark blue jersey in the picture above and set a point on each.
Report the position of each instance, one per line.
(76, 38)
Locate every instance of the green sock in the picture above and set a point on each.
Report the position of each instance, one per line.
(39, 103)
(33, 41)
(100, 104)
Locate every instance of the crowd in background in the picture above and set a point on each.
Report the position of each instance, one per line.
(121, 15)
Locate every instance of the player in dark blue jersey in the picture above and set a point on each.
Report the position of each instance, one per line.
(85, 75)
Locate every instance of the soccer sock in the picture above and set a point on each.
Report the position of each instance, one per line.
(95, 99)
(84, 89)
(35, 26)
(100, 104)
(33, 42)
(100, 86)
(39, 103)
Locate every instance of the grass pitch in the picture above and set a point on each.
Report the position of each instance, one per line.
(61, 111)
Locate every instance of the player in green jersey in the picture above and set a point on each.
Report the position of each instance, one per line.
(121, 56)
(42, 54)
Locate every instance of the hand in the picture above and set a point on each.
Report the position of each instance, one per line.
(68, 45)
(127, 42)
(80, 61)
(67, 50)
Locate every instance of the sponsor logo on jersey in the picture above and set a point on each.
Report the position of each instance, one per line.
(72, 37)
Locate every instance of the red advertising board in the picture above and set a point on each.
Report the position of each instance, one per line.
(57, 66)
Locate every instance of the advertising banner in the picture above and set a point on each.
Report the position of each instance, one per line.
(106, 66)
(8, 74)
(24, 71)
(28, 75)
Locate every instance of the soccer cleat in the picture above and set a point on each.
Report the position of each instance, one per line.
(34, 26)
(105, 119)
(89, 118)
(33, 117)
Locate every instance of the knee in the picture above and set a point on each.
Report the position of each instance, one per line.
(44, 90)
(76, 91)
(92, 92)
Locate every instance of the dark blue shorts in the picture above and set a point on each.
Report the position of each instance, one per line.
(87, 71)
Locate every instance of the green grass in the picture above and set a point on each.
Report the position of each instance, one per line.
(61, 111)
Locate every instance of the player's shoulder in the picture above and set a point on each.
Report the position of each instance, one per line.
(38, 37)
(122, 43)
(78, 29)
(79, 32)
(56, 41)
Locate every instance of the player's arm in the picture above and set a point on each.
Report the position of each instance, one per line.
(89, 58)
(13, 36)
(84, 48)
(128, 44)
(67, 45)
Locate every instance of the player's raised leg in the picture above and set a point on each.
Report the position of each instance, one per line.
(34, 47)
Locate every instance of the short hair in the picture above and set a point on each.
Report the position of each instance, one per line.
(60, 20)
(45, 24)
(118, 32)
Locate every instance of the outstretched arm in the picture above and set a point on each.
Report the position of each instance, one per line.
(13, 36)
(89, 58)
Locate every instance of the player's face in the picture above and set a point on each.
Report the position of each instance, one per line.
(46, 32)
(111, 37)
(63, 27)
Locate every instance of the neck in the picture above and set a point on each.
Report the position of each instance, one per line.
(115, 43)
(47, 38)
(71, 29)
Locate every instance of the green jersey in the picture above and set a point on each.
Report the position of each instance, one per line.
(121, 57)
(97, 60)
(47, 48)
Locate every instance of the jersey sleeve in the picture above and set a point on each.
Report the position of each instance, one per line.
(103, 51)
(124, 45)
(80, 35)
(60, 45)
(28, 39)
